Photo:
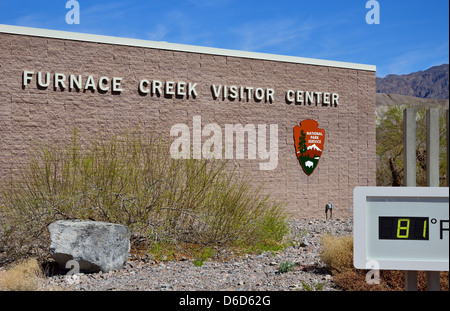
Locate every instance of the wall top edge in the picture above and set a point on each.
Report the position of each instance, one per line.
(66, 35)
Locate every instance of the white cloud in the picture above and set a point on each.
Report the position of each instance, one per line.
(177, 27)
(104, 12)
(158, 34)
(208, 3)
(256, 36)
(38, 20)
(415, 60)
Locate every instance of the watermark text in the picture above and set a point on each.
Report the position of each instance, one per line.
(73, 15)
(373, 16)
(226, 144)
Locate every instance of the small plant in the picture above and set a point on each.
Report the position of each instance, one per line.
(314, 287)
(286, 266)
(198, 262)
(319, 286)
(204, 254)
(296, 238)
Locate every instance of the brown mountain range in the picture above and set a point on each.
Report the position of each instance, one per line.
(432, 83)
(383, 101)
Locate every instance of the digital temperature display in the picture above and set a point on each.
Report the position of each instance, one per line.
(403, 228)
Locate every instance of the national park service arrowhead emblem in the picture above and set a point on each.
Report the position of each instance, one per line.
(309, 140)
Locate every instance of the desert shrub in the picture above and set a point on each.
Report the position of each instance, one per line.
(390, 280)
(132, 180)
(24, 275)
(337, 255)
(337, 252)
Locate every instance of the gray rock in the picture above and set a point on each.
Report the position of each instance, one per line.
(89, 246)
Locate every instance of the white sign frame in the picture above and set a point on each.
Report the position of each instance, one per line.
(362, 238)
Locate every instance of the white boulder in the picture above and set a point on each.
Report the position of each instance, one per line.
(95, 246)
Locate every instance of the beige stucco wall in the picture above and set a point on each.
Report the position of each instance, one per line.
(29, 114)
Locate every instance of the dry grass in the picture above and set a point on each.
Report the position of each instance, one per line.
(25, 275)
(337, 254)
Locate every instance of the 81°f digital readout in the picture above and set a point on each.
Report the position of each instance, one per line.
(403, 228)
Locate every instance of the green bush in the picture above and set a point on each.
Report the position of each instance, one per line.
(132, 180)
(389, 130)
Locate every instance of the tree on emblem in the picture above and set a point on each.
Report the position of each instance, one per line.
(302, 144)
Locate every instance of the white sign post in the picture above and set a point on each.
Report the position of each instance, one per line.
(401, 228)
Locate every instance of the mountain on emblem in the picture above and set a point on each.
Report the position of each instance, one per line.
(309, 140)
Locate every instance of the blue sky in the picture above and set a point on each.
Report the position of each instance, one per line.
(412, 35)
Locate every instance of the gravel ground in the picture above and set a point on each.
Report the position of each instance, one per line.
(248, 273)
